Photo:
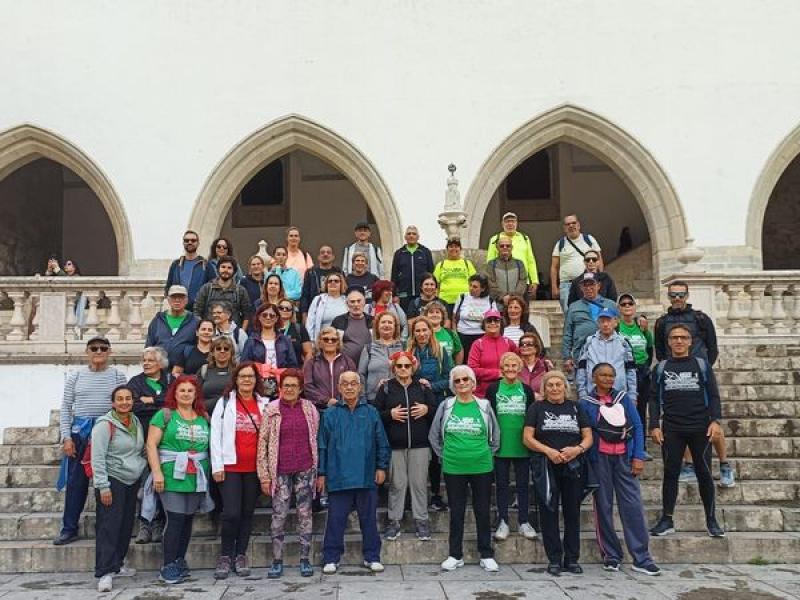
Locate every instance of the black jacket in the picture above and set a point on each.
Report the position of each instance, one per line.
(414, 432)
(608, 288)
(704, 335)
(139, 388)
(408, 269)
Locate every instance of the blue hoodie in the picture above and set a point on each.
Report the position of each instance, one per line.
(591, 409)
(352, 446)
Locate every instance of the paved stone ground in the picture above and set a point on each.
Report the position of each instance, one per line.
(426, 582)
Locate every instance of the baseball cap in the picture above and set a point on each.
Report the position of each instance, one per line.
(177, 290)
(98, 338)
(492, 313)
(588, 277)
(509, 215)
(608, 313)
(361, 225)
(626, 295)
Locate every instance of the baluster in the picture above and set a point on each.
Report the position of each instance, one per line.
(735, 313)
(756, 316)
(18, 324)
(71, 331)
(795, 289)
(135, 330)
(114, 319)
(779, 324)
(92, 318)
(35, 307)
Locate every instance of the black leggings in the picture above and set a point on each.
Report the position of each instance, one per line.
(672, 449)
(177, 533)
(240, 492)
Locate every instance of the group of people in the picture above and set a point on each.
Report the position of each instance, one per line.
(317, 386)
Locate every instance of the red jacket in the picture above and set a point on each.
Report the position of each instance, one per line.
(484, 359)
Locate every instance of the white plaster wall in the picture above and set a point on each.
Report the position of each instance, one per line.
(157, 92)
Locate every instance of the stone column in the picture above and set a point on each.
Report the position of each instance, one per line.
(18, 324)
(779, 324)
(92, 318)
(114, 319)
(756, 316)
(135, 315)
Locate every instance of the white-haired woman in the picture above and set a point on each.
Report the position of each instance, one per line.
(465, 434)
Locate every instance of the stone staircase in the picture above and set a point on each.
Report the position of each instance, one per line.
(760, 387)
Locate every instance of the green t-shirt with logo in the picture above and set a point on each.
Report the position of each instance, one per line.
(449, 341)
(181, 435)
(466, 441)
(175, 322)
(640, 341)
(155, 385)
(511, 410)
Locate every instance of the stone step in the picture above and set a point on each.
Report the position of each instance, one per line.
(690, 517)
(751, 447)
(34, 455)
(30, 557)
(27, 436)
(767, 427)
(737, 409)
(760, 392)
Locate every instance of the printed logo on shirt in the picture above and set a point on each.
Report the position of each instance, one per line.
(554, 422)
(681, 381)
(463, 426)
(511, 405)
(191, 433)
(244, 424)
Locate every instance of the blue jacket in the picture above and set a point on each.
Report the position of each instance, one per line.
(436, 372)
(352, 446)
(160, 334)
(254, 350)
(292, 284)
(591, 409)
(253, 288)
(579, 324)
(196, 282)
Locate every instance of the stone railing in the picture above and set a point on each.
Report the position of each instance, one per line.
(51, 310)
(748, 303)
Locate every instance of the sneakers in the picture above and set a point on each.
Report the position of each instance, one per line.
(223, 568)
(527, 531)
(306, 570)
(423, 530)
(714, 530)
(438, 504)
(145, 535)
(726, 477)
(392, 530)
(574, 568)
(184, 567)
(329, 568)
(489, 565)
(611, 565)
(651, 569)
(65, 538)
(451, 564)
(647, 456)
(554, 569)
(502, 531)
(171, 573)
(687, 473)
(125, 572)
(157, 533)
(374, 565)
(276, 569)
(664, 526)
(105, 583)
(241, 566)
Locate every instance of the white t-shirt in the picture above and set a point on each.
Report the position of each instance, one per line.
(571, 264)
(470, 314)
(270, 354)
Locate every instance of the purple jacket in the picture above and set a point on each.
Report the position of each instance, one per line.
(321, 378)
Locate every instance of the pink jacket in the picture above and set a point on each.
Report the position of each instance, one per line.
(269, 440)
(484, 359)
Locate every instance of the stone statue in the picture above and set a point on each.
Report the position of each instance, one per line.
(453, 219)
(452, 197)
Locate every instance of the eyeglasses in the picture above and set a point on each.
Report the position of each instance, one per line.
(402, 365)
(591, 259)
(269, 316)
(222, 246)
(333, 281)
(286, 308)
(624, 304)
(290, 386)
(98, 349)
(330, 340)
(527, 345)
(678, 294)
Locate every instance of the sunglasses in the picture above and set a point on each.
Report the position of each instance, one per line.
(330, 340)
(190, 240)
(492, 320)
(223, 349)
(223, 246)
(678, 294)
(269, 316)
(462, 380)
(285, 308)
(591, 259)
(402, 365)
(98, 348)
(624, 304)
(527, 345)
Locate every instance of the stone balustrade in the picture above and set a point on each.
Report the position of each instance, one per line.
(46, 311)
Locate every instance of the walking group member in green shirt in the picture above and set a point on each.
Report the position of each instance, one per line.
(453, 274)
(465, 434)
(510, 399)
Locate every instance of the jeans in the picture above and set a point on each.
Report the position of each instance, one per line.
(77, 488)
(563, 294)
(481, 487)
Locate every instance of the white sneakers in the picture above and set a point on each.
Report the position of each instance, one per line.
(451, 564)
(330, 568)
(489, 565)
(105, 584)
(125, 572)
(527, 531)
(502, 531)
(374, 566)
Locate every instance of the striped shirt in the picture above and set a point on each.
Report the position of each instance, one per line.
(87, 393)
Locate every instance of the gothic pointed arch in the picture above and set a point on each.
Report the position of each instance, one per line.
(280, 137)
(26, 143)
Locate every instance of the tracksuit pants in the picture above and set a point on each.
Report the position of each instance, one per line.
(672, 450)
(340, 504)
(114, 527)
(569, 495)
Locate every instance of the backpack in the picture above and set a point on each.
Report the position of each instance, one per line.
(613, 424)
(563, 241)
(702, 366)
(86, 459)
(457, 309)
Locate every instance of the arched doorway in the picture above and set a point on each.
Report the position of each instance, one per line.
(772, 223)
(319, 181)
(591, 156)
(54, 200)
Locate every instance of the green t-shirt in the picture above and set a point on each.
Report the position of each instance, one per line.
(453, 277)
(449, 341)
(154, 385)
(640, 340)
(466, 442)
(182, 436)
(175, 322)
(511, 409)
(413, 248)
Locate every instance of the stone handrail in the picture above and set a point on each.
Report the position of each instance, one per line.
(63, 309)
(747, 303)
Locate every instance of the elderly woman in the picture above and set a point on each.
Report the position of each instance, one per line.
(453, 274)
(510, 399)
(373, 366)
(117, 465)
(516, 318)
(235, 427)
(321, 373)
(484, 357)
(534, 363)
(287, 464)
(465, 435)
(268, 345)
(178, 437)
(326, 306)
(223, 326)
(448, 339)
(382, 301)
(149, 390)
(469, 311)
(215, 376)
(559, 434)
(406, 408)
(188, 359)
